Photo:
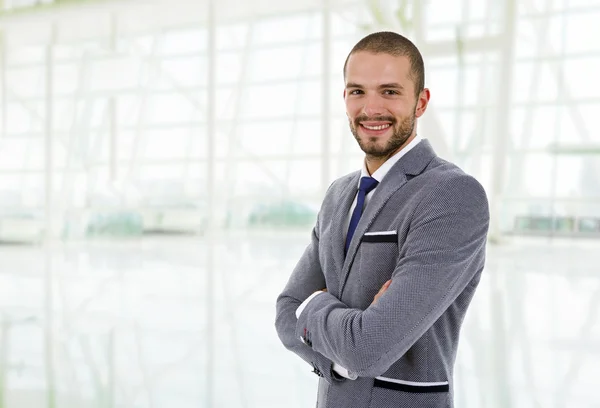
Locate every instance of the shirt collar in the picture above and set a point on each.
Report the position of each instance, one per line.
(385, 167)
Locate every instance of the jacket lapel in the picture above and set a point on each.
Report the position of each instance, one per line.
(339, 221)
(412, 164)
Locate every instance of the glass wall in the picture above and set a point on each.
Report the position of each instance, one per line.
(136, 279)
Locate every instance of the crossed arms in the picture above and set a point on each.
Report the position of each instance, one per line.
(443, 250)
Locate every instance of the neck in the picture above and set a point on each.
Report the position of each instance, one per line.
(375, 162)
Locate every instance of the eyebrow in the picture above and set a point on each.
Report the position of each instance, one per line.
(382, 86)
(391, 85)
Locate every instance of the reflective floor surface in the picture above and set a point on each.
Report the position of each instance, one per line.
(124, 324)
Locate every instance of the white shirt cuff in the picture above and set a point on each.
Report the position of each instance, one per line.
(343, 372)
(303, 304)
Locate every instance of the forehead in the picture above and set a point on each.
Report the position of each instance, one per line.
(368, 68)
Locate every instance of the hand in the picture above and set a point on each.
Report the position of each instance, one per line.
(382, 290)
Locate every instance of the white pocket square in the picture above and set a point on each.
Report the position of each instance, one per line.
(374, 233)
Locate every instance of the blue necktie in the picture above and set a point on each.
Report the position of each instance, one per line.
(366, 185)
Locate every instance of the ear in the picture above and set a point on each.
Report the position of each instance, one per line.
(422, 102)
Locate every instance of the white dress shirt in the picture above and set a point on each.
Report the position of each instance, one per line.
(378, 175)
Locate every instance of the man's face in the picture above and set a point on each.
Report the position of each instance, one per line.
(380, 102)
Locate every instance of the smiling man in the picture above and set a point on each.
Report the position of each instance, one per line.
(376, 301)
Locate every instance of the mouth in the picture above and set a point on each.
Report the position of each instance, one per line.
(375, 128)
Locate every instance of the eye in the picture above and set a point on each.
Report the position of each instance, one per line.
(356, 92)
(391, 92)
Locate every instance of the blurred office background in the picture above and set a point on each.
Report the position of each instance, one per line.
(162, 162)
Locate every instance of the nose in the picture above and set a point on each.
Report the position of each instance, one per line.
(373, 106)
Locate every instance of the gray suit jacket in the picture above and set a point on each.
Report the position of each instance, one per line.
(425, 228)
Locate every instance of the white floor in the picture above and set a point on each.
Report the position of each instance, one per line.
(123, 324)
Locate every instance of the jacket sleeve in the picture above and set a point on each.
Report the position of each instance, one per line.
(306, 278)
(443, 251)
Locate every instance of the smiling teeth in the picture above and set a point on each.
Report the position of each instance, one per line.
(381, 127)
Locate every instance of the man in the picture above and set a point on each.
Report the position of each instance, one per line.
(376, 302)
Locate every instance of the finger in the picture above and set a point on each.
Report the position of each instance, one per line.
(382, 289)
(385, 286)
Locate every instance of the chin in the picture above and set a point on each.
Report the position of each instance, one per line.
(374, 149)
(374, 142)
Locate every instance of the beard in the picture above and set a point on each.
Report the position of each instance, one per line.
(371, 146)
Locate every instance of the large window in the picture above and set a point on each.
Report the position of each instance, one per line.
(105, 132)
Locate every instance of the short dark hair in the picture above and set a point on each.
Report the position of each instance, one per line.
(388, 42)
